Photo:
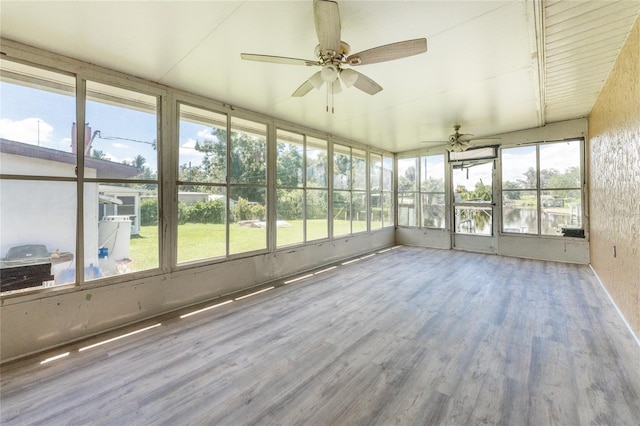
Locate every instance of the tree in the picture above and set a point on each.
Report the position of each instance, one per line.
(289, 172)
(408, 181)
(511, 195)
(247, 162)
(139, 161)
(98, 154)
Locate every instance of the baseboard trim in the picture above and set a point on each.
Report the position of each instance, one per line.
(615, 305)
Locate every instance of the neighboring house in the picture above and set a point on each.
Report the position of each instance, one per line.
(38, 203)
(121, 201)
(189, 198)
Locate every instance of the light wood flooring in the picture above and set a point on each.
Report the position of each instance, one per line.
(408, 336)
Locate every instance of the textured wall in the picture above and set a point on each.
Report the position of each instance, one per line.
(614, 132)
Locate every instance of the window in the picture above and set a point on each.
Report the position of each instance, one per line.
(38, 244)
(317, 192)
(349, 190)
(120, 139)
(341, 190)
(359, 194)
(432, 193)
(408, 191)
(376, 198)
(301, 197)
(202, 187)
(541, 188)
(388, 212)
(247, 186)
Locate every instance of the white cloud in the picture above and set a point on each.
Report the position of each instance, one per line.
(188, 149)
(119, 145)
(191, 143)
(32, 130)
(205, 133)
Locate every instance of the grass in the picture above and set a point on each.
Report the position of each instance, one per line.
(203, 241)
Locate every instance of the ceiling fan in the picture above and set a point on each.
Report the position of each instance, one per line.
(459, 142)
(332, 54)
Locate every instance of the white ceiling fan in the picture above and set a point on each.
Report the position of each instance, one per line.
(332, 54)
(459, 142)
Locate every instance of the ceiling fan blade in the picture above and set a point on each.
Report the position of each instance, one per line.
(367, 85)
(277, 59)
(327, 20)
(389, 52)
(314, 82)
(303, 89)
(465, 137)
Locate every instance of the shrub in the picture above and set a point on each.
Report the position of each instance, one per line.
(206, 212)
(149, 211)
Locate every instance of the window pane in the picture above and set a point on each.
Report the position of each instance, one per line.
(387, 175)
(520, 212)
(38, 233)
(376, 210)
(387, 209)
(341, 213)
(120, 229)
(317, 164)
(473, 220)
(317, 214)
(248, 160)
(433, 210)
(359, 212)
(376, 172)
(202, 213)
(560, 209)
(560, 165)
(290, 152)
(407, 212)
(248, 230)
(359, 164)
(432, 174)
(407, 178)
(121, 133)
(203, 146)
(341, 167)
(519, 170)
(289, 210)
(375, 199)
(472, 182)
(37, 122)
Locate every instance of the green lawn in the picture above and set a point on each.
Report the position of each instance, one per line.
(203, 241)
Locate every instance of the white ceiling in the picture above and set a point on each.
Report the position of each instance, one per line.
(491, 66)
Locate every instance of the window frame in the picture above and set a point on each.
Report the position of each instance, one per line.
(539, 189)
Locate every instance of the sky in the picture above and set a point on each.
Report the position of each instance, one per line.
(45, 118)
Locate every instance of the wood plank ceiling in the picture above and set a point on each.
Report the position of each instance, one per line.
(582, 40)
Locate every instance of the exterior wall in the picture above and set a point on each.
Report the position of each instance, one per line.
(614, 131)
(33, 323)
(37, 218)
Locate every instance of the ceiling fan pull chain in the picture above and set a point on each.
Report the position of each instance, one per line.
(332, 98)
(327, 98)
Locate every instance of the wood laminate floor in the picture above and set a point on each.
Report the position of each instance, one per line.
(408, 336)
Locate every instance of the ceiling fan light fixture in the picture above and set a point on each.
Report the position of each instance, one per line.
(329, 73)
(336, 87)
(348, 77)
